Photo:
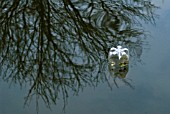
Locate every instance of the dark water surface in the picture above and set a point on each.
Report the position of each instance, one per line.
(150, 77)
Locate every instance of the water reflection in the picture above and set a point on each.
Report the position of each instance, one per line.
(118, 70)
(57, 46)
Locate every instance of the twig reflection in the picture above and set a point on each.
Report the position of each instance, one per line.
(55, 46)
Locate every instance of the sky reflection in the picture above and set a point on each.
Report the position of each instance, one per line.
(151, 81)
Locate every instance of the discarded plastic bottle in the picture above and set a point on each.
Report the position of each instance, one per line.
(118, 61)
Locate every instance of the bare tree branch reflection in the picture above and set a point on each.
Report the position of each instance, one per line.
(56, 46)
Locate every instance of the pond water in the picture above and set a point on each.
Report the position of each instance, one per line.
(150, 77)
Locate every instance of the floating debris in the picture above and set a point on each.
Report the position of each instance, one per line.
(118, 61)
(119, 51)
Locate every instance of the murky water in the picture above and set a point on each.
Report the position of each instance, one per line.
(90, 89)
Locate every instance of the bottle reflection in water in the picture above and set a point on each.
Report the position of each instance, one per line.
(118, 67)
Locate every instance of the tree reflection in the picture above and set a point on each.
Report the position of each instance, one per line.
(58, 45)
